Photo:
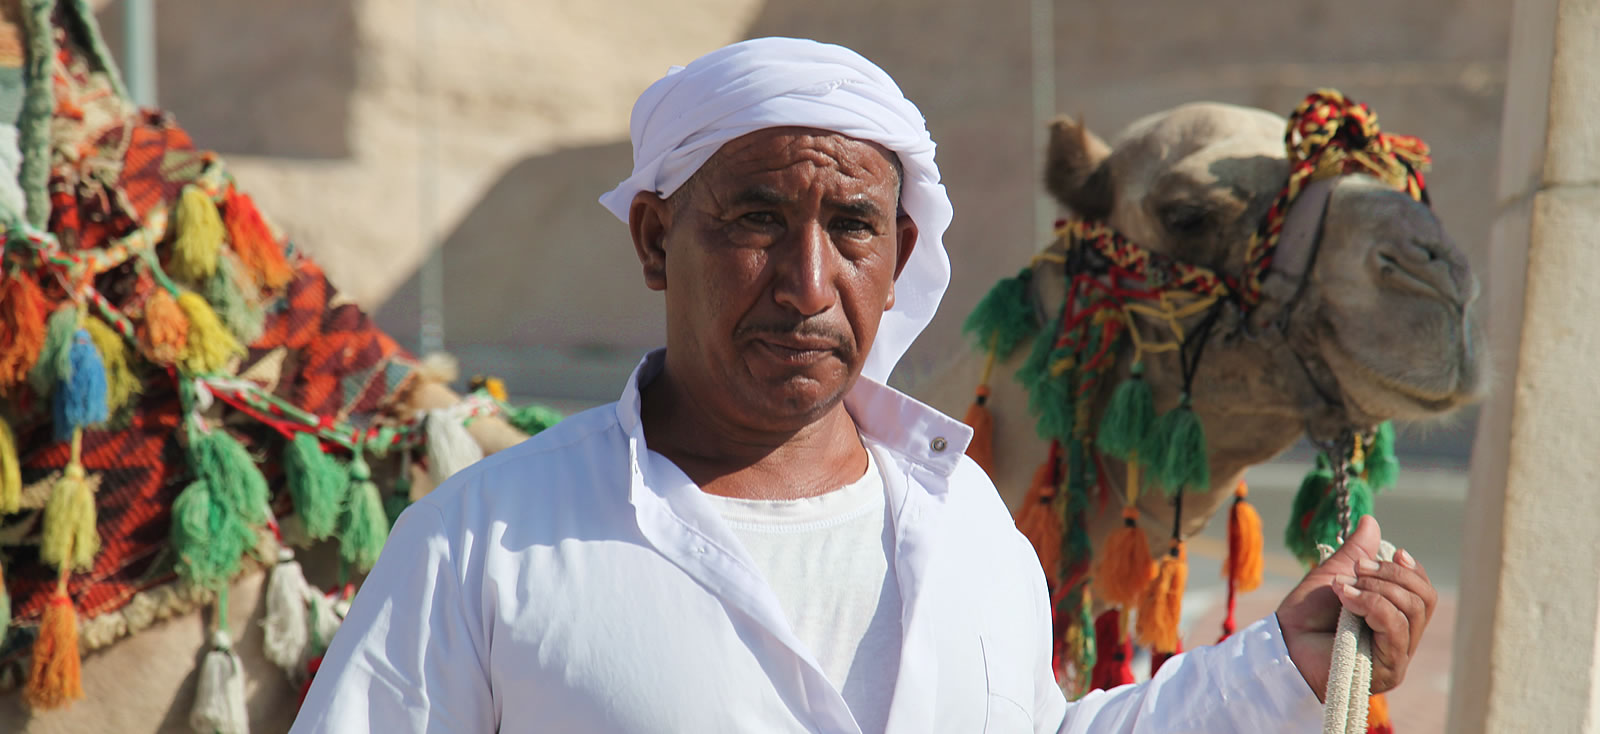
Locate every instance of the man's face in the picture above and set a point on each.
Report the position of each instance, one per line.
(778, 259)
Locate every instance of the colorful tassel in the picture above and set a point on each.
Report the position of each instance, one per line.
(1161, 606)
(210, 345)
(1297, 536)
(219, 705)
(55, 677)
(450, 447)
(1038, 519)
(287, 624)
(1382, 466)
(532, 418)
(981, 448)
(1128, 417)
(1378, 715)
(253, 240)
(214, 519)
(122, 384)
(366, 525)
(1325, 528)
(1050, 394)
(1005, 317)
(54, 365)
(10, 471)
(316, 483)
(1174, 450)
(1125, 568)
(23, 312)
(165, 329)
(80, 401)
(70, 538)
(1243, 565)
(1113, 653)
(194, 250)
(236, 300)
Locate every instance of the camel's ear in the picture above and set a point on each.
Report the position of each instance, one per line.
(1075, 169)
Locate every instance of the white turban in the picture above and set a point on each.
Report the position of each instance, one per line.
(687, 115)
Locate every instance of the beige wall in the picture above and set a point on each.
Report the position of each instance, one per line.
(1525, 655)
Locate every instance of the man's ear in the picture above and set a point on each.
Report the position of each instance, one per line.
(649, 219)
(905, 233)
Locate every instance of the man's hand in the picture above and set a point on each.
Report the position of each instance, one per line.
(1396, 599)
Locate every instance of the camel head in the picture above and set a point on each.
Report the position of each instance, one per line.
(1365, 315)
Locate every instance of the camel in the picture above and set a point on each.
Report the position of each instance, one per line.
(141, 654)
(1382, 327)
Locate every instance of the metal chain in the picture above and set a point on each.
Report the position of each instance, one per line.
(1343, 448)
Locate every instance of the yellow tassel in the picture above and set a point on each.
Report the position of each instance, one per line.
(166, 329)
(496, 388)
(121, 383)
(1125, 568)
(70, 538)
(200, 232)
(981, 449)
(1161, 607)
(55, 678)
(1244, 563)
(10, 474)
(210, 345)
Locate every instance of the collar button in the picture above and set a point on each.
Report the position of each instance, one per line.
(938, 444)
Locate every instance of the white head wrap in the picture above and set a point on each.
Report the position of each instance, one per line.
(687, 115)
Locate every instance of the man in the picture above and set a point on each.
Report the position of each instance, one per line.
(760, 536)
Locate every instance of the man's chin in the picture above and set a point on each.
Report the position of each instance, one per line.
(799, 399)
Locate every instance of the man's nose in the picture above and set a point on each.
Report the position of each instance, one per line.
(806, 265)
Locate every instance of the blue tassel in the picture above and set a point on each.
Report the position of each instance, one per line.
(81, 401)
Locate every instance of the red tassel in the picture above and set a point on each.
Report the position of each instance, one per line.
(1158, 659)
(1113, 653)
(253, 240)
(1038, 520)
(1378, 715)
(981, 449)
(23, 312)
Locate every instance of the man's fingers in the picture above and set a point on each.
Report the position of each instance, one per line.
(1412, 580)
(1361, 545)
(1391, 630)
(1407, 560)
(1411, 606)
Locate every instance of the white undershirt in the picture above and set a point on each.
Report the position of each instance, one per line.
(829, 559)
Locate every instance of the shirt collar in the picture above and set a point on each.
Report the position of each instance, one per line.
(895, 420)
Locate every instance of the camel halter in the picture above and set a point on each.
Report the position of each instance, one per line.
(1114, 286)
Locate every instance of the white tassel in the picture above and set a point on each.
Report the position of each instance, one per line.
(287, 629)
(450, 447)
(327, 621)
(219, 702)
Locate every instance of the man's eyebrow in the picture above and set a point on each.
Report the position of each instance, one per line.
(761, 195)
(860, 206)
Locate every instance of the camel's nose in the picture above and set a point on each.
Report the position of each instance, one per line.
(1434, 266)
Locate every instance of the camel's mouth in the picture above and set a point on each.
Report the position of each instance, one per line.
(1440, 379)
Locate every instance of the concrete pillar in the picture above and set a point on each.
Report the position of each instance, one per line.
(1527, 647)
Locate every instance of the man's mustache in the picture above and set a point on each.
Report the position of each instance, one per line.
(842, 340)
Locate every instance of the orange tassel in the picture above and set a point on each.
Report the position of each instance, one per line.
(1038, 520)
(166, 328)
(1161, 607)
(981, 449)
(1378, 715)
(23, 313)
(253, 241)
(1125, 568)
(1243, 566)
(55, 679)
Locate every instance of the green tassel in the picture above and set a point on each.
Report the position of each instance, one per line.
(233, 296)
(1128, 416)
(316, 482)
(215, 518)
(235, 480)
(532, 418)
(55, 358)
(1325, 529)
(1383, 467)
(366, 524)
(1297, 535)
(1050, 396)
(1174, 450)
(1005, 316)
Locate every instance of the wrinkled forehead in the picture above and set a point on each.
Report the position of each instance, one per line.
(1204, 142)
(777, 148)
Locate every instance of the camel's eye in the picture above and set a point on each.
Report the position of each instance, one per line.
(1187, 220)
